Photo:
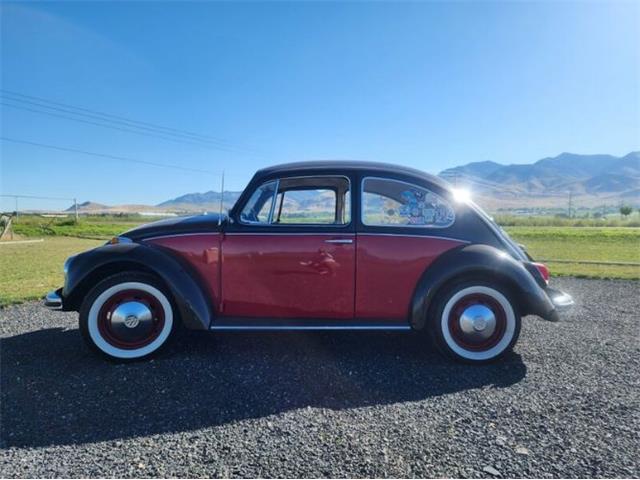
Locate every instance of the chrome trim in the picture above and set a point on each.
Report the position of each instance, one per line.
(317, 225)
(280, 234)
(346, 234)
(402, 225)
(412, 236)
(339, 240)
(257, 328)
(179, 235)
(53, 301)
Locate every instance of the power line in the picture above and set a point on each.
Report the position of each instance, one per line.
(206, 141)
(104, 119)
(108, 126)
(106, 155)
(35, 197)
(117, 117)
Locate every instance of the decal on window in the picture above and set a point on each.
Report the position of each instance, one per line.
(391, 202)
(421, 207)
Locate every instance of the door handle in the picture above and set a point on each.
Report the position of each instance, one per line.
(339, 240)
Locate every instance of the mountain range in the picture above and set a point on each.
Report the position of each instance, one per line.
(594, 179)
(591, 180)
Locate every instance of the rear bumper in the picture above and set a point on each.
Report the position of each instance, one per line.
(53, 300)
(561, 300)
(562, 303)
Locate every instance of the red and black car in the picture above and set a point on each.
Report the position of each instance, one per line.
(315, 246)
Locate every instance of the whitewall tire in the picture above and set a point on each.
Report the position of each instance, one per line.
(475, 322)
(127, 316)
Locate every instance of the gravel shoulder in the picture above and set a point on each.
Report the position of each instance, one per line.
(566, 403)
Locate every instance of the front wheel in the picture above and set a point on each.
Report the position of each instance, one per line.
(127, 316)
(475, 322)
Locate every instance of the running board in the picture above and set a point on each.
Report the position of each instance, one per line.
(258, 325)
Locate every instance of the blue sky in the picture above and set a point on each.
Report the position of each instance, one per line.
(430, 85)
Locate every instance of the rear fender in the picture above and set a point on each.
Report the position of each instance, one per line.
(487, 263)
(88, 268)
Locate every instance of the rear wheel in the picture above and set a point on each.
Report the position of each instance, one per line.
(127, 316)
(475, 322)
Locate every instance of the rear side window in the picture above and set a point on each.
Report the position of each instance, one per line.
(387, 202)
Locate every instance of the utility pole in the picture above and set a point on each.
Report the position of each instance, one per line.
(75, 208)
(16, 198)
(570, 199)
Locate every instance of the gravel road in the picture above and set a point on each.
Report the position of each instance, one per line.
(566, 403)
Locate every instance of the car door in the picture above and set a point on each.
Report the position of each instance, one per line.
(290, 253)
(402, 229)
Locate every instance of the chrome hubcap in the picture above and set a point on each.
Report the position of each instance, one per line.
(477, 322)
(131, 315)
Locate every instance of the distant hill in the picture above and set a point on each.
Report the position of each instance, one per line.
(590, 178)
(209, 201)
(88, 206)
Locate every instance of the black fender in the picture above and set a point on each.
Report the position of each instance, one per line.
(481, 261)
(189, 296)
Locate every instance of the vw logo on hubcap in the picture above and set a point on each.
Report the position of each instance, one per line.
(479, 324)
(131, 321)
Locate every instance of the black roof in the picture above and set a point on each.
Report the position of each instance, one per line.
(369, 167)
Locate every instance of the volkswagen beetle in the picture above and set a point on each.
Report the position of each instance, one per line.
(315, 246)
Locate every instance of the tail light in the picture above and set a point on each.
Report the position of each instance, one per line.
(543, 269)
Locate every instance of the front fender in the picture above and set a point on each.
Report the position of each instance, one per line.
(88, 268)
(485, 262)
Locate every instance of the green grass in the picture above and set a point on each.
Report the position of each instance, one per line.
(90, 226)
(611, 220)
(583, 243)
(29, 270)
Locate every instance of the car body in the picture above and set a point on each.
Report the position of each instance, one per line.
(332, 245)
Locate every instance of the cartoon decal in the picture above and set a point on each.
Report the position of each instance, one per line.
(425, 208)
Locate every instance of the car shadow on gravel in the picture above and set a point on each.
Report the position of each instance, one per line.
(55, 392)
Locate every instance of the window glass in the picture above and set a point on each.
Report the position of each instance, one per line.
(392, 202)
(258, 208)
(306, 206)
(300, 201)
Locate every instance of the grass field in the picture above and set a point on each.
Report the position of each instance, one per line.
(28, 271)
(89, 226)
(580, 244)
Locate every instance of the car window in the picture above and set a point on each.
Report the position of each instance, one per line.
(306, 206)
(322, 200)
(387, 202)
(313, 201)
(258, 208)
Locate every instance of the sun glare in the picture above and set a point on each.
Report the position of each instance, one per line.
(461, 195)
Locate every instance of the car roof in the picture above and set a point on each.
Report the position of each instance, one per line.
(327, 166)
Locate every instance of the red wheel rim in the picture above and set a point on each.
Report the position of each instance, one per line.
(463, 339)
(131, 338)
